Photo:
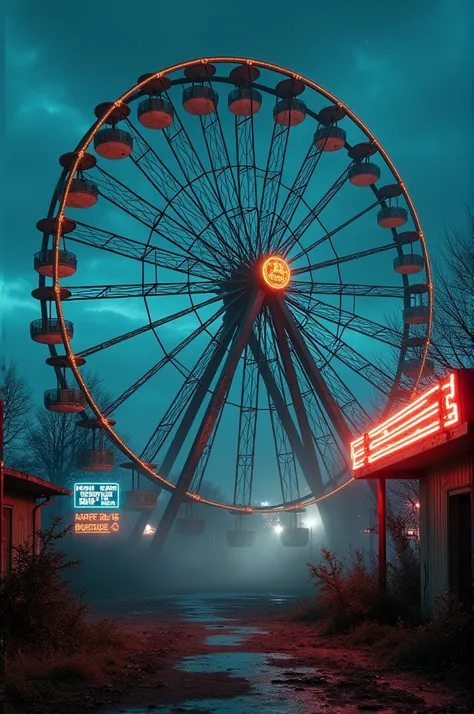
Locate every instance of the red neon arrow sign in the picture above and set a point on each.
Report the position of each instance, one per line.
(436, 409)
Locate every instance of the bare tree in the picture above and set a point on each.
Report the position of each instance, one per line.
(18, 411)
(52, 440)
(452, 346)
(453, 324)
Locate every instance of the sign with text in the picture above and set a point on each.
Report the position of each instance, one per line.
(96, 495)
(96, 522)
(436, 410)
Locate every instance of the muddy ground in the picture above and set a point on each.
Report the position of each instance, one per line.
(241, 655)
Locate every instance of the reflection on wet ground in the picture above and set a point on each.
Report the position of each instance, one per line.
(271, 690)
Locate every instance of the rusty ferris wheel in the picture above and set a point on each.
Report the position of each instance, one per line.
(281, 229)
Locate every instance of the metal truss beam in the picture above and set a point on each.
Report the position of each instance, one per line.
(211, 414)
(278, 400)
(147, 328)
(314, 375)
(136, 250)
(312, 469)
(247, 430)
(104, 292)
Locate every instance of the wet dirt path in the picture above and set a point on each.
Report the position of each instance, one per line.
(236, 654)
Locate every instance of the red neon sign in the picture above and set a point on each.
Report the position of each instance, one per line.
(436, 409)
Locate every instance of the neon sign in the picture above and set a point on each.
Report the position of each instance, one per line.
(276, 272)
(438, 408)
(96, 495)
(97, 522)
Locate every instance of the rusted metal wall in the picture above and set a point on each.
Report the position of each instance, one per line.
(22, 506)
(434, 493)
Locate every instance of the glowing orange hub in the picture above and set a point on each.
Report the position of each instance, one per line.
(276, 272)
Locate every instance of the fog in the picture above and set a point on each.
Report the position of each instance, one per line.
(118, 566)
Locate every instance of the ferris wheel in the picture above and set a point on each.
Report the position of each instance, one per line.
(264, 234)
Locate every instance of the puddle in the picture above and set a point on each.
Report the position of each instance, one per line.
(236, 636)
(272, 690)
(224, 640)
(141, 612)
(266, 694)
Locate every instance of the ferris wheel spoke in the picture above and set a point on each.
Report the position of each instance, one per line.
(224, 178)
(129, 248)
(200, 472)
(271, 184)
(104, 292)
(195, 379)
(316, 334)
(180, 236)
(247, 431)
(205, 193)
(183, 200)
(151, 326)
(351, 407)
(285, 457)
(329, 234)
(313, 214)
(303, 288)
(314, 375)
(342, 258)
(272, 380)
(247, 178)
(345, 398)
(332, 457)
(165, 360)
(347, 320)
(285, 449)
(312, 468)
(211, 414)
(295, 195)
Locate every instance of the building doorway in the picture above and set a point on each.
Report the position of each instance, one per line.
(460, 545)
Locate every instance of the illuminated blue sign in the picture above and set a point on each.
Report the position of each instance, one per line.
(96, 495)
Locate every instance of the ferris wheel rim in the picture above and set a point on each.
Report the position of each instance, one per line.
(82, 147)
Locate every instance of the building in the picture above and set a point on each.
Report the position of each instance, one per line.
(432, 439)
(22, 508)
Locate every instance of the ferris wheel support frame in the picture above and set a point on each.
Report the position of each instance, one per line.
(312, 470)
(285, 329)
(213, 409)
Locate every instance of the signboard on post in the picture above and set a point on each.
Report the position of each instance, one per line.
(96, 495)
(97, 522)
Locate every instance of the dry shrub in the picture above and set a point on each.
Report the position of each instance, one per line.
(445, 641)
(50, 645)
(347, 590)
(37, 606)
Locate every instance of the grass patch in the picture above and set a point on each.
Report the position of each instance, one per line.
(53, 651)
(34, 678)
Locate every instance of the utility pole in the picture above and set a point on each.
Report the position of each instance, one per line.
(382, 533)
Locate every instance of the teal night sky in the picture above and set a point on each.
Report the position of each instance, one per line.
(404, 68)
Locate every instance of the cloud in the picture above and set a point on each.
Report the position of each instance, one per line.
(16, 296)
(123, 308)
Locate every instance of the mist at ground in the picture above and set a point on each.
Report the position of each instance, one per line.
(123, 566)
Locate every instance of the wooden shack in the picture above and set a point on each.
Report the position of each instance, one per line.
(432, 439)
(22, 508)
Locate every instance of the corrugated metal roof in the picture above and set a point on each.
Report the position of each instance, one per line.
(20, 481)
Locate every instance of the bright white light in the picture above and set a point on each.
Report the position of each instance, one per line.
(265, 504)
(278, 529)
(149, 530)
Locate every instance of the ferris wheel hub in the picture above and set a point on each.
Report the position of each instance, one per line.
(276, 272)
